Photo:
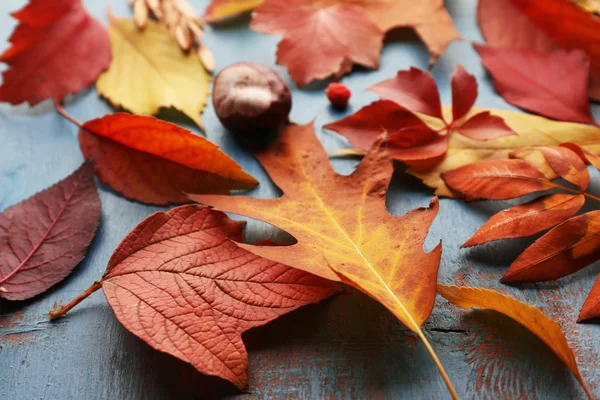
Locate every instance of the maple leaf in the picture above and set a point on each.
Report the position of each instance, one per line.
(180, 284)
(165, 75)
(532, 131)
(542, 326)
(411, 140)
(543, 26)
(342, 227)
(157, 162)
(553, 84)
(572, 245)
(43, 238)
(51, 38)
(341, 33)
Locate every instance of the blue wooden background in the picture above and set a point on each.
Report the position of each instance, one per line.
(347, 347)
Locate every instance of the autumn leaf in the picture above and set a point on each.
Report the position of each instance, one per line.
(543, 26)
(408, 97)
(50, 39)
(157, 162)
(532, 131)
(542, 326)
(43, 238)
(591, 307)
(553, 84)
(342, 227)
(165, 76)
(321, 39)
(180, 284)
(219, 10)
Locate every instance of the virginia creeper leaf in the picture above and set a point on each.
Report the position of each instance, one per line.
(542, 326)
(157, 162)
(543, 26)
(591, 306)
(496, 179)
(343, 229)
(323, 38)
(564, 250)
(165, 76)
(43, 238)
(180, 284)
(464, 92)
(531, 131)
(57, 49)
(529, 218)
(553, 84)
(484, 126)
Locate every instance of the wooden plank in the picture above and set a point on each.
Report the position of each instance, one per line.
(348, 347)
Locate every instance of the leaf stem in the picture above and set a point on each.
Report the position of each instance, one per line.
(67, 116)
(438, 364)
(568, 189)
(58, 313)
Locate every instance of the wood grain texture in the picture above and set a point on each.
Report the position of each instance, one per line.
(347, 347)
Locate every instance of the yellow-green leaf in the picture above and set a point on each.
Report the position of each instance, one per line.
(149, 71)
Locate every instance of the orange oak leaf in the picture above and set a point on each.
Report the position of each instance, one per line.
(43, 238)
(543, 26)
(552, 84)
(410, 139)
(157, 162)
(496, 180)
(542, 326)
(342, 227)
(529, 218)
(57, 49)
(324, 38)
(180, 284)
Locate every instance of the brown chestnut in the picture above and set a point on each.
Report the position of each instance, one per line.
(251, 100)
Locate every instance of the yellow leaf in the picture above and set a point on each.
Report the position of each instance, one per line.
(532, 131)
(149, 71)
(222, 9)
(592, 6)
(530, 317)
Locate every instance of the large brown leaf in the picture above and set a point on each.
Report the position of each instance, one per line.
(342, 227)
(180, 284)
(44, 237)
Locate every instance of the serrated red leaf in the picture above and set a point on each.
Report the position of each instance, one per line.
(43, 238)
(320, 39)
(552, 84)
(157, 162)
(591, 306)
(564, 250)
(496, 180)
(414, 90)
(484, 126)
(180, 284)
(57, 49)
(528, 219)
(543, 26)
(464, 92)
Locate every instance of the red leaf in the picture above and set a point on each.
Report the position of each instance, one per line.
(535, 25)
(44, 237)
(57, 49)
(319, 39)
(553, 84)
(528, 219)
(464, 92)
(496, 179)
(485, 126)
(414, 90)
(566, 249)
(157, 162)
(585, 155)
(180, 284)
(567, 164)
(591, 305)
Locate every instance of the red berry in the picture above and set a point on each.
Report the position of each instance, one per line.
(338, 94)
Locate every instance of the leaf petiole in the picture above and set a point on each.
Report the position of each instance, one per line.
(67, 116)
(58, 313)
